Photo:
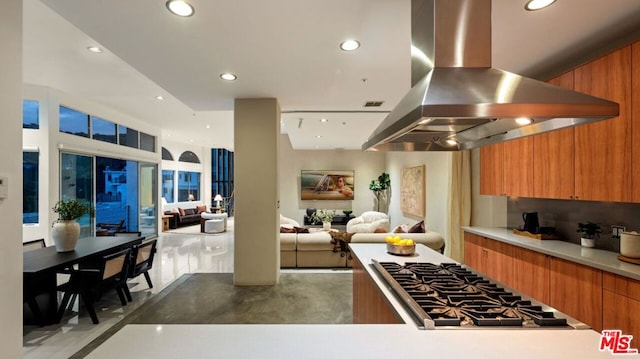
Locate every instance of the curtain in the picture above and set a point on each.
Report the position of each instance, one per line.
(459, 203)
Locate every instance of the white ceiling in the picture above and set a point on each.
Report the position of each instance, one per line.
(286, 49)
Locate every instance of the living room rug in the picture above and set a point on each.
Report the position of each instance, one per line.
(211, 298)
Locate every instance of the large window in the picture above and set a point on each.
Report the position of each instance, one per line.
(188, 186)
(148, 195)
(128, 137)
(103, 130)
(76, 182)
(167, 185)
(74, 122)
(30, 117)
(30, 187)
(117, 192)
(147, 142)
(222, 175)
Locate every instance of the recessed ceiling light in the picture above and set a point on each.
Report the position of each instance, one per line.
(318, 136)
(349, 45)
(160, 98)
(228, 76)
(533, 5)
(324, 120)
(207, 126)
(180, 8)
(95, 49)
(523, 121)
(451, 142)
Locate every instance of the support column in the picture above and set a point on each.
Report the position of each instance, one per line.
(256, 218)
(11, 173)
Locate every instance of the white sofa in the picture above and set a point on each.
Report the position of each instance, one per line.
(316, 250)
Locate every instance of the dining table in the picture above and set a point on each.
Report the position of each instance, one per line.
(41, 266)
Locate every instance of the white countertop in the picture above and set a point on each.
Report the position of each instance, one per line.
(356, 341)
(596, 258)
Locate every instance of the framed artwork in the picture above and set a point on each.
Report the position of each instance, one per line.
(330, 185)
(412, 191)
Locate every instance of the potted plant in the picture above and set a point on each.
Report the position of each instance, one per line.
(324, 216)
(65, 230)
(589, 232)
(380, 188)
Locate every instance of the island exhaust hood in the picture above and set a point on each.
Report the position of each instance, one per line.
(459, 102)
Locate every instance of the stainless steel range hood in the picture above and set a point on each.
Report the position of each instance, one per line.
(459, 102)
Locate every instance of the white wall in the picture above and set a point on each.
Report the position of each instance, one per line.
(11, 170)
(486, 211)
(366, 166)
(437, 182)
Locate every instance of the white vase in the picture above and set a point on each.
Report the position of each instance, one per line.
(65, 235)
(326, 226)
(587, 242)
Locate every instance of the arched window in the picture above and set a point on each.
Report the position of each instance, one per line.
(188, 156)
(166, 155)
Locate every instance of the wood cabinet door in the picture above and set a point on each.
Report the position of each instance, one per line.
(497, 261)
(531, 274)
(518, 167)
(472, 251)
(553, 162)
(621, 304)
(576, 290)
(635, 116)
(369, 305)
(492, 170)
(603, 148)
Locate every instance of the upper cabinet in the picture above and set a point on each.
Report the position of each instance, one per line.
(603, 148)
(587, 162)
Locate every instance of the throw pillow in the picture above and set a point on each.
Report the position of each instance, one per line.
(200, 209)
(287, 230)
(400, 229)
(301, 229)
(189, 211)
(417, 228)
(181, 211)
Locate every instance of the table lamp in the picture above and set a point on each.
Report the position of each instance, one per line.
(217, 198)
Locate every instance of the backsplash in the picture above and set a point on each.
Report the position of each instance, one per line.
(565, 215)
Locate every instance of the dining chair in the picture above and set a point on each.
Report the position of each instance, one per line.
(141, 262)
(29, 291)
(91, 283)
(34, 244)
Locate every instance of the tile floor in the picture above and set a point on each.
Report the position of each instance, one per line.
(178, 253)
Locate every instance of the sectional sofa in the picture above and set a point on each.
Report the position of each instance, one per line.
(318, 249)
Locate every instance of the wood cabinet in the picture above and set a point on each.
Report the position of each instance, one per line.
(603, 148)
(531, 274)
(369, 305)
(621, 302)
(489, 257)
(576, 290)
(588, 162)
(553, 169)
(635, 116)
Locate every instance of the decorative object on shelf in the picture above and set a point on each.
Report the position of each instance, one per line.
(589, 232)
(217, 199)
(65, 230)
(329, 185)
(630, 244)
(325, 216)
(381, 188)
(347, 212)
(412, 191)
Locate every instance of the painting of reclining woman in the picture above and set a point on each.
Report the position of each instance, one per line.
(330, 185)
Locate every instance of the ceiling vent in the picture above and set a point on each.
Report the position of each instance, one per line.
(373, 103)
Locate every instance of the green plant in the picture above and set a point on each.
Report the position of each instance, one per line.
(70, 209)
(323, 215)
(589, 230)
(380, 187)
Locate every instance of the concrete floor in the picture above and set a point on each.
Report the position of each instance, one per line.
(181, 253)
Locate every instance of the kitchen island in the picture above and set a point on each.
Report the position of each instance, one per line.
(402, 340)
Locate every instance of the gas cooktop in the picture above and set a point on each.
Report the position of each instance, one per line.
(449, 295)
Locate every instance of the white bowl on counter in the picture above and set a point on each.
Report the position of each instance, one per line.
(630, 244)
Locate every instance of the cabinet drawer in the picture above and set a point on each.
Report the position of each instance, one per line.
(621, 285)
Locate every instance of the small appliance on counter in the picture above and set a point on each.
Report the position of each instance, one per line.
(630, 247)
(532, 229)
(531, 223)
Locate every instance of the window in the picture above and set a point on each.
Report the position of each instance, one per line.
(167, 186)
(127, 136)
(166, 155)
(147, 142)
(188, 186)
(76, 182)
(221, 173)
(30, 170)
(103, 130)
(74, 122)
(188, 156)
(30, 118)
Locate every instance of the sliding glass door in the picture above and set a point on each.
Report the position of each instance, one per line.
(148, 194)
(117, 193)
(76, 182)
